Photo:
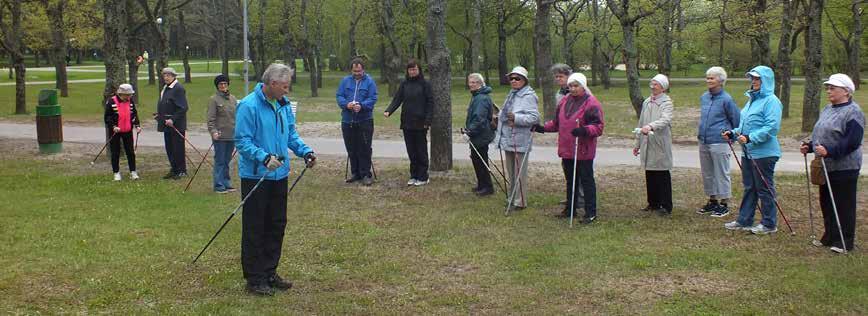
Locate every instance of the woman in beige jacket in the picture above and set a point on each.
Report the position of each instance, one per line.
(654, 146)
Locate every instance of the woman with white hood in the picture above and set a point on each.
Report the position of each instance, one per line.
(578, 123)
(654, 146)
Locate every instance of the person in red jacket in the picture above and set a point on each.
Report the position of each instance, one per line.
(579, 121)
(120, 117)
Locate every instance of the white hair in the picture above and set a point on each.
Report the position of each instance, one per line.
(717, 72)
(277, 73)
(477, 76)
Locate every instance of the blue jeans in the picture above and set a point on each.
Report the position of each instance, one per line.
(756, 191)
(222, 154)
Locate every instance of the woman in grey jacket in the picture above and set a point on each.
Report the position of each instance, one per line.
(514, 137)
(654, 144)
(221, 126)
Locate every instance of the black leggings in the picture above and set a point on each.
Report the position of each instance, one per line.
(115, 144)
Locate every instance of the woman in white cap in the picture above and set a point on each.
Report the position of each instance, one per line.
(837, 138)
(121, 117)
(518, 115)
(654, 144)
(578, 123)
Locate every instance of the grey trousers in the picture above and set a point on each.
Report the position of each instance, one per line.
(714, 162)
(513, 161)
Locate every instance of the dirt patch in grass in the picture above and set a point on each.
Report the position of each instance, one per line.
(648, 290)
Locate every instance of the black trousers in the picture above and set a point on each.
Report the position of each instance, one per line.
(115, 144)
(357, 140)
(175, 149)
(658, 186)
(586, 185)
(483, 177)
(416, 141)
(845, 200)
(262, 226)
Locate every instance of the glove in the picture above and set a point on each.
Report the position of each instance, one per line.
(272, 163)
(580, 131)
(727, 135)
(310, 159)
(538, 128)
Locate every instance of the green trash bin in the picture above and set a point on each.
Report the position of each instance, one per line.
(49, 123)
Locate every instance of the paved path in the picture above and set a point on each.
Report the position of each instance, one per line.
(608, 156)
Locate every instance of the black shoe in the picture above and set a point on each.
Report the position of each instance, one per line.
(169, 175)
(663, 212)
(353, 179)
(260, 289)
(277, 283)
(588, 220)
(709, 208)
(722, 210)
(485, 192)
(367, 181)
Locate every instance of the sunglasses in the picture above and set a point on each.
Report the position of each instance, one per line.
(514, 79)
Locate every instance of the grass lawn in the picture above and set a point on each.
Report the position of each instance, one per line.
(84, 102)
(75, 242)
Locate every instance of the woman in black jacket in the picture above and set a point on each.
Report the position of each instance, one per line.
(415, 94)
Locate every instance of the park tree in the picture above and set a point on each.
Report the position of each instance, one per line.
(54, 10)
(628, 20)
(568, 13)
(507, 26)
(670, 16)
(852, 39)
(12, 42)
(786, 46)
(114, 45)
(441, 86)
(813, 64)
(543, 53)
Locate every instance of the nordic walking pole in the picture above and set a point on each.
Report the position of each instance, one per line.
(249, 194)
(502, 167)
(518, 178)
(573, 184)
(834, 206)
(191, 145)
(810, 204)
(136, 146)
(197, 168)
(103, 148)
(737, 161)
(484, 163)
(766, 183)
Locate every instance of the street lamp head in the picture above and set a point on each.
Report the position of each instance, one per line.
(159, 20)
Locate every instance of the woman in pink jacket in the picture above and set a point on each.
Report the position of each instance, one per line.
(579, 122)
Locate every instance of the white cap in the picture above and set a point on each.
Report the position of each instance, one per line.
(170, 70)
(662, 80)
(580, 79)
(841, 80)
(753, 74)
(519, 70)
(125, 88)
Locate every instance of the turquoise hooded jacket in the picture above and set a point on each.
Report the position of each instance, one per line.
(761, 117)
(262, 130)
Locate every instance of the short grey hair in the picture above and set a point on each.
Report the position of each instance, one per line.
(477, 76)
(277, 72)
(562, 69)
(717, 72)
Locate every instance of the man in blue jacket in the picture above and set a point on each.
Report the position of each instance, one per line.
(264, 130)
(356, 97)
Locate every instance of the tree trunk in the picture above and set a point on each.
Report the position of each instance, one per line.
(544, 57)
(664, 45)
(14, 46)
(152, 76)
(596, 63)
(632, 57)
(759, 44)
(502, 68)
(223, 40)
(163, 47)
(260, 59)
(185, 48)
(354, 21)
(58, 44)
(813, 65)
(475, 34)
(784, 65)
(441, 84)
(114, 46)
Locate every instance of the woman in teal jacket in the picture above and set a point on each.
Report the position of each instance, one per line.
(477, 129)
(758, 133)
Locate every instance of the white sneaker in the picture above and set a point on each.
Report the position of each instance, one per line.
(134, 175)
(837, 249)
(734, 225)
(761, 229)
(420, 183)
(117, 176)
(816, 243)
(412, 181)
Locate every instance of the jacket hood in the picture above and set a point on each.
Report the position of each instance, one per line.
(483, 90)
(523, 91)
(767, 76)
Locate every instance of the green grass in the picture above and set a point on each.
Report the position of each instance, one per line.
(84, 102)
(75, 242)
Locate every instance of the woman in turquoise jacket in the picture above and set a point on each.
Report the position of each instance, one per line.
(758, 133)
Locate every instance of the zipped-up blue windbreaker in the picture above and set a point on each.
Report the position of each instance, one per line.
(761, 117)
(260, 131)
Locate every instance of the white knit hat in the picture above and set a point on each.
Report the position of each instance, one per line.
(841, 80)
(519, 70)
(662, 80)
(579, 78)
(126, 88)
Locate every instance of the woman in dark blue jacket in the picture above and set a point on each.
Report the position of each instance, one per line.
(415, 95)
(478, 131)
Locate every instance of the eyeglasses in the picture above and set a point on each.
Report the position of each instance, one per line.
(514, 79)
